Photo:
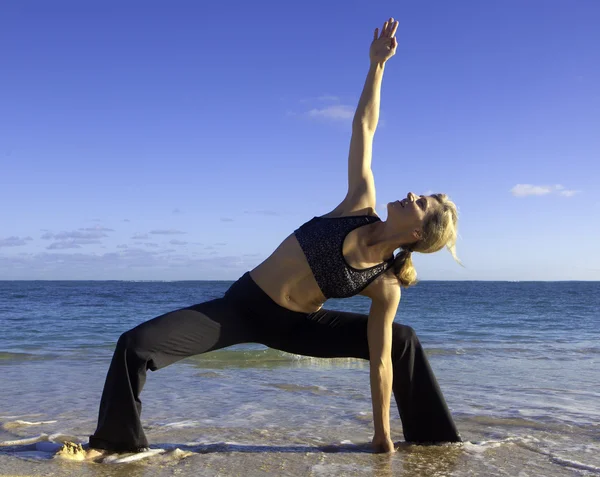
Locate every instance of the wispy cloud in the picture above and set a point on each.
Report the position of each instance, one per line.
(63, 245)
(97, 228)
(151, 244)
(177, 242)
(335, 112)
(71, 243)
(524, 190)
(14, 241)
(131, 262)
(568, 193)
(167, 232)
(139, 236)
(75, 238)
(79, 236)
(176, 211)
(226, 219)
(324, 107)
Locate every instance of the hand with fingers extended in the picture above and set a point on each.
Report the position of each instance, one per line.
(384, 43)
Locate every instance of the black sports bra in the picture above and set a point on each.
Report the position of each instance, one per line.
(322, 240)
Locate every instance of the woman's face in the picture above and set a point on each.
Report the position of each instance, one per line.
(410, 212)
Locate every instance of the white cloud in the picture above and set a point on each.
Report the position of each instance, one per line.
(524, 190)
(14, 241)
(62, 245)
(77, 235)
(336, 112)
(97, 228)
(111, 265)
(76, 238)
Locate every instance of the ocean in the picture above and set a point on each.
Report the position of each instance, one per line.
(518, 363)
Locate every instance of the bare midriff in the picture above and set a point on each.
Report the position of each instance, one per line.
(287, 278)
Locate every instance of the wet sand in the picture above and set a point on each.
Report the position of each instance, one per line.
(273, 452)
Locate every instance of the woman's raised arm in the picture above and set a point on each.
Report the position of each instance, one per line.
(361, 186)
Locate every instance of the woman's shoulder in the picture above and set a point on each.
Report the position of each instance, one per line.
(340, 212)
(385, 287)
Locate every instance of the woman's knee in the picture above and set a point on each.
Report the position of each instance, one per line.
(133, 340)
(404, 338)
(403, 333)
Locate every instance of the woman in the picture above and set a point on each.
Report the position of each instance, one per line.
(279, 303)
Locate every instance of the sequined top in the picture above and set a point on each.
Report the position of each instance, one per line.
(322, 241)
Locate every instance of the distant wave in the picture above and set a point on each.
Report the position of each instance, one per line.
(271, 358)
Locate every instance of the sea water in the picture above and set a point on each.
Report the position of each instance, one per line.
(518, 363)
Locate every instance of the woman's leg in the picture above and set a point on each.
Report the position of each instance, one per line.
(331, 334)
(153, 345)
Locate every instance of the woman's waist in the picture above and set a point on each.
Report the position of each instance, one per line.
(289, 286)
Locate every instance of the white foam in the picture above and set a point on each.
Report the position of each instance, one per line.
(22, 442)
(17, 417)
(559, 460)
(62, 438)
(116, 459)
(482, 446)
(18, 422)
(181, 424)
(574, 464)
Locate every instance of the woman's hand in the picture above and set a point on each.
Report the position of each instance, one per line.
(382, 444)
(384, 43)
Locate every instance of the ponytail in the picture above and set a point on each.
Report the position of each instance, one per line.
(404, 269)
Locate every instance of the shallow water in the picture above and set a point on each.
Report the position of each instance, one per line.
(518, 364)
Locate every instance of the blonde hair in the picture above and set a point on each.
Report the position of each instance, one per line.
(439, 230)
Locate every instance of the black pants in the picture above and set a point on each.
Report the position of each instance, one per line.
(246, 314)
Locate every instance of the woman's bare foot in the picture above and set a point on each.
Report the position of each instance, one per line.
(93, 454)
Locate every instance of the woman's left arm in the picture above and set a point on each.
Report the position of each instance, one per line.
(379, 333)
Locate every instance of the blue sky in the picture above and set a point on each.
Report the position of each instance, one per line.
(184, 140)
